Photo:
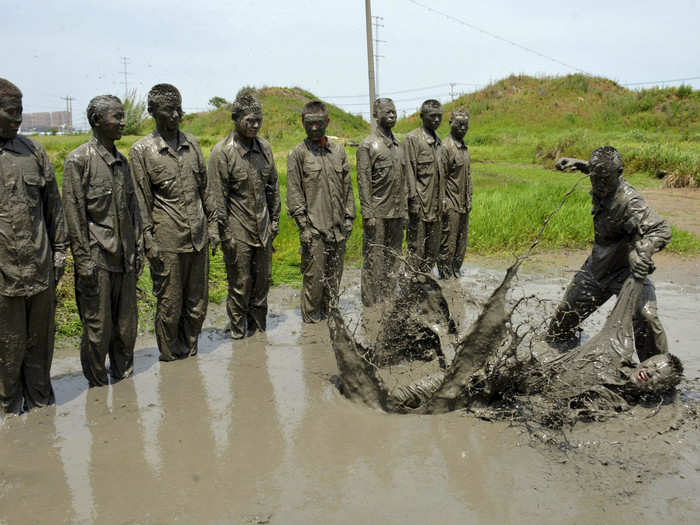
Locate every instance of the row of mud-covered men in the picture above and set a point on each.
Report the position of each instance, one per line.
(163, 203)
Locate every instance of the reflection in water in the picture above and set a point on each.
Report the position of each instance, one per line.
(149, 409)
(74, 440)
(215, 370)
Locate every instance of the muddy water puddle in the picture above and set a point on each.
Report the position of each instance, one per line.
(255, 432)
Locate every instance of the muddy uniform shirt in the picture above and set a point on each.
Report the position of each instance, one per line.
(458, 180)
(319, 187)
(250, 189)
(425, 173)
(101, 210)
(32, 225)
(381, 178)
(619, 220)
(177, 204)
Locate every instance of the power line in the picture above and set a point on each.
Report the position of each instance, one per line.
(497, 37)
(659, 81)
(125, 82)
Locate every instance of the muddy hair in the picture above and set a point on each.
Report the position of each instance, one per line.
(162, 93)
(98, 105)
(675, 379)
(431, 103)
(8, 90)
(379, 102)
(606, 157)
(312, 107)
(245, 104)
(459, 112)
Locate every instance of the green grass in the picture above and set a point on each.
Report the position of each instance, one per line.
(519, 126)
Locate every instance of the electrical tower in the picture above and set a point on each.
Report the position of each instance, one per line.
(125, 72)
(377, 24)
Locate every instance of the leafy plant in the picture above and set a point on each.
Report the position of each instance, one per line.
(135, 113)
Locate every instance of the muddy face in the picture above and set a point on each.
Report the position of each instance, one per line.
(167, 115)
(654, 374)
(10, 117)
(604, 180)
(386, 115)
(111, 122)
(459, 127)
(315, 125)
(248, 125)
(431, 117)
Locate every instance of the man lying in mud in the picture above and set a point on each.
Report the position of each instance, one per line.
(493, 364)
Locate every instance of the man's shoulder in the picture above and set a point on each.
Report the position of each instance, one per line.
(223, 145)
(299, 149)
(371, 140)
(80, 154)
(31, 145)
(143, 144)
(416, 133)
(191, 139)
(336, 147)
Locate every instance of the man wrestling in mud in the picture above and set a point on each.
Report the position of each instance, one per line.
(627, 234)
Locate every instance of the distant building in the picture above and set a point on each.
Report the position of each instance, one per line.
(43, 122)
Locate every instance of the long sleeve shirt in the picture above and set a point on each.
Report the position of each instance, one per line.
(178, 206)
(458, 180)
(101, 209)
(250, 189)
(425, 173)
(32, 225)
(381, 177)
(319, 188)
(620, 220)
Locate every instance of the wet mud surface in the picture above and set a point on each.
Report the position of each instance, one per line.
(255, 432)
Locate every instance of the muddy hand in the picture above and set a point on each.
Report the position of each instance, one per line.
(641, 266)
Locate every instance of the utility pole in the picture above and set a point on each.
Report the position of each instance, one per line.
(370, 61)
(69, 108)
(125, 82)
(377, 56)
(452, 91)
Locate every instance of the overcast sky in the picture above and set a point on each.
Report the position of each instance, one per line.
(214, 47)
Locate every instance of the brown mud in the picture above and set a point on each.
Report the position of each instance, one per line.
(256, 432)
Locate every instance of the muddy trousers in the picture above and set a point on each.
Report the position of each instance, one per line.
(249, 272)
(180, 283)
(453, 243)
(423, 240)
(380, 247)
(322, 269)
(109, 316)
(26, 350)
(585, 295)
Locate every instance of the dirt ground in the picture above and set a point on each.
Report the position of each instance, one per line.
(255, 432)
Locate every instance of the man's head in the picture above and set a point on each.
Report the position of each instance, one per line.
(658, 374)
(605, 168)
(431, 114)
(165, 106)
(105, 114)
(246, 113)
(385, 113)
(314, 117)
(459, 123)
(10, 109)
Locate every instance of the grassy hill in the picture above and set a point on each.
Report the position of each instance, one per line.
(535, 120)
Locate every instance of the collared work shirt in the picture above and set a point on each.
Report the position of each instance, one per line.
(425, 172)
(251, 193)
(458, 180)
(381, 177)
(101, 209)
(176, 202)
(619, 220)
(319, 187)
(32, 225)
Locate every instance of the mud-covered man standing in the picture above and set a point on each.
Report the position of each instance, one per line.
(627, 234)
(105, 232)
(381, 180)
(321, 202)
(32, 259)
(457, 202)
(180, 219)
(244, 167)
(425, 174)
